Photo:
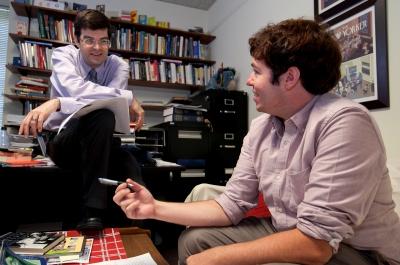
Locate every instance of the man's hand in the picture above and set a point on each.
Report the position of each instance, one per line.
(137, 114)
(139, 204)
(33, 121)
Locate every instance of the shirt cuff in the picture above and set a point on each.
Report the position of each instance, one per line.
(128, 95)
(69, 105)
(311, 230)
(231, 209)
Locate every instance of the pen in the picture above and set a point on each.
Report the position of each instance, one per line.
(111, 182)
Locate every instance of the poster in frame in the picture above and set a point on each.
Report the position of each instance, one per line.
(361, 33)
(323, 9)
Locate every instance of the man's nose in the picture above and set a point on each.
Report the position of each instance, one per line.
(249, 81)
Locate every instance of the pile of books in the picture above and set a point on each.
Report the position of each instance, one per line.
(180, 112)
(47, 247)
(31, 87)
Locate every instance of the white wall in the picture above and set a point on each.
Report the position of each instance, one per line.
(233, 22)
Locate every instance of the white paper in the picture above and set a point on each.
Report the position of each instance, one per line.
(117, 105)
(162, 163)
(144, 259)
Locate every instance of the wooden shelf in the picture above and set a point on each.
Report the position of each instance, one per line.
(26, 10)
(152, 107)
(23, 98)
(23, 70)
(204, 38)
(19, 37)
(129, 53)
(31, 11)
(192, 88)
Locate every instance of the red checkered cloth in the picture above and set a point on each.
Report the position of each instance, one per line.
(107, 245)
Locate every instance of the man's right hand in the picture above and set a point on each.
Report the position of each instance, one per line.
(33, 121)
(139, 204)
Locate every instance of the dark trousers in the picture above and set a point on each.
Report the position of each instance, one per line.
(87, 147)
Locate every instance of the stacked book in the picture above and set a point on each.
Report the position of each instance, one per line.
(180, 112)
(36, 243)
(31, 87)
(48, 247)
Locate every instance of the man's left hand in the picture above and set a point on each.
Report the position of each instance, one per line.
(137, 114)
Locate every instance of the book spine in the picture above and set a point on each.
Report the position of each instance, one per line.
(179, 117)
(176, 110)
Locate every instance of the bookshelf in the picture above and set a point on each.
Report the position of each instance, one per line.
(130, 53)
(24, 70)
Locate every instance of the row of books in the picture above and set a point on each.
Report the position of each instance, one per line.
(36, 54)
(50, 28)
(124, 38)
(141, 41)
(170, 71)
(51, 247)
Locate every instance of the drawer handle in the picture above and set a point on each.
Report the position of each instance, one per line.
(229, 136)
(227, 146)
(229, 102)
(227, 111)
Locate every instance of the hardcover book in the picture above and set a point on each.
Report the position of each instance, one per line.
(37, 243)
(70, 246)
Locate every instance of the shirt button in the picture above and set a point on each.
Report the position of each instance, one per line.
(278, 176)
(279, 210)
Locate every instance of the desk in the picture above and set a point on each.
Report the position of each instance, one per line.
(137, 241)
(48, 194)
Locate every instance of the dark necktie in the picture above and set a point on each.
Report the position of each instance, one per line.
(92, 76)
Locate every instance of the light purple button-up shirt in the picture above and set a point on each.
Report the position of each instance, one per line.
(322, 171)
(71, 87)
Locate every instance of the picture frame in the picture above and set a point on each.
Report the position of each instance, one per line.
(362, 35)
(323, 9)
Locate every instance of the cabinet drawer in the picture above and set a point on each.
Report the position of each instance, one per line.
(227, 139)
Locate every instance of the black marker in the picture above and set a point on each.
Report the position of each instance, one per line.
(111, 182)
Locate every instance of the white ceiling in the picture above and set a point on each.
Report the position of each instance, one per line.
(199, 4)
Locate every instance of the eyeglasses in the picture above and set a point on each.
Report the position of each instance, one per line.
(92, 42)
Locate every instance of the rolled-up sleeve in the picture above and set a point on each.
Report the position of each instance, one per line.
(344, 179)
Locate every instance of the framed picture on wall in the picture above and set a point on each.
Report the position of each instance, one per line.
(361, 33)
(324, 9)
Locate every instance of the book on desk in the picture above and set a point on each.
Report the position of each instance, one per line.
(37, 243)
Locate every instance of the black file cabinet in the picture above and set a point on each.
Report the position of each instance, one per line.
(227, 112)
(187, 144)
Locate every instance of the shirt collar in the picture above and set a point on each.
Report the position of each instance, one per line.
(299, 119)
(85, 68)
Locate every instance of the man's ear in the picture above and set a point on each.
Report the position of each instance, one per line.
(292, 77)
(76, 41)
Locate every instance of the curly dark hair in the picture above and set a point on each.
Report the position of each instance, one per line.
(90, 19)
(301, 43)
